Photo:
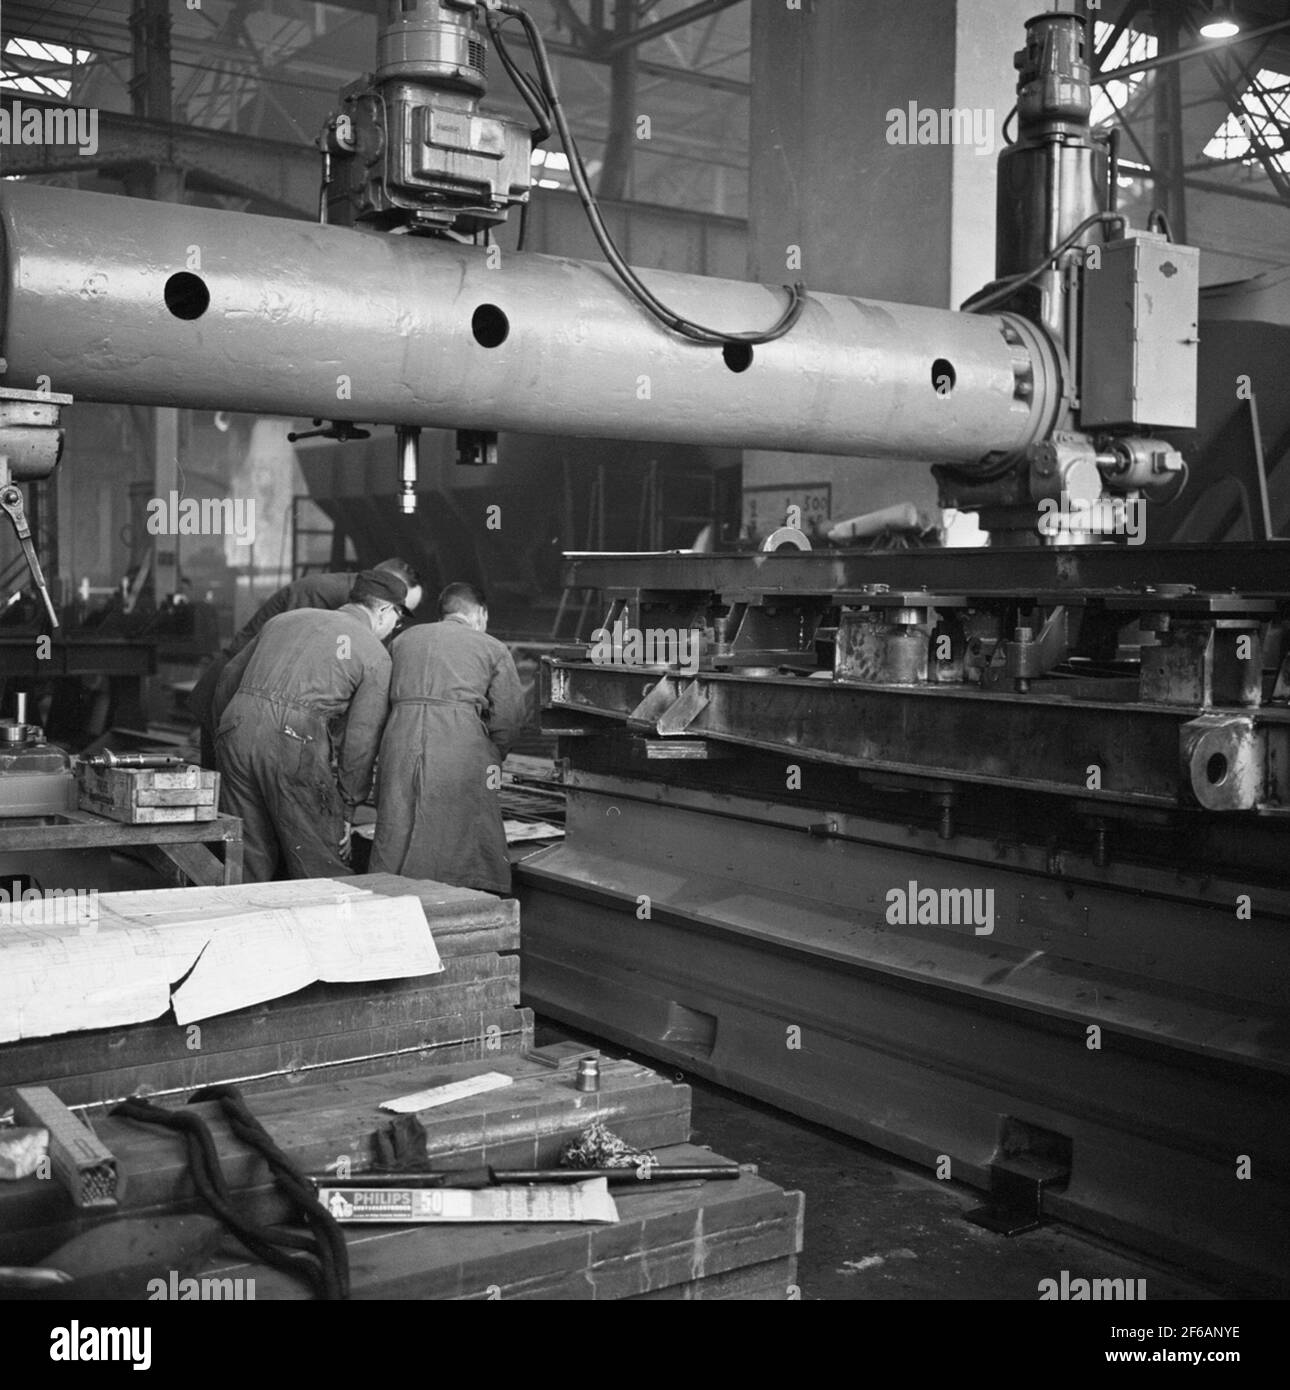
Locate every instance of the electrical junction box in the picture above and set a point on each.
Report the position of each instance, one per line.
(1139, 335)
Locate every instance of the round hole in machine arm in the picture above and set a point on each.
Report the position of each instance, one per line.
(738, 356)
(186, 295)
(490, 326)
(944, 377)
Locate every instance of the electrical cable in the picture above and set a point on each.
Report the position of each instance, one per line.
(677, 322)
(987, 298)
(323, 1258)
(524, 84)
(1157, 217)
(1184, 477)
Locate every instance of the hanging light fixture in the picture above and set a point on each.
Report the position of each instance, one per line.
(1220, 23)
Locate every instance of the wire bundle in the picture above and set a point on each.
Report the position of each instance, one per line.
(543, 100)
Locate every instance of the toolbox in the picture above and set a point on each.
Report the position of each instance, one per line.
(146, 795)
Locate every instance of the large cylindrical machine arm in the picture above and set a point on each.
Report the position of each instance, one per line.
(116, 299)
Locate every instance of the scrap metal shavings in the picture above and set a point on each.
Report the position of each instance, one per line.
(598, 1147)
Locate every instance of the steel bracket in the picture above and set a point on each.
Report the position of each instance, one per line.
(1017, 1186)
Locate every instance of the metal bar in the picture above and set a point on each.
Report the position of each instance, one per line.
(1121, 112)
(1246, 568)
(1260, 465)
(587, 33)
(1206, 166)
(1168, 161)
(1236, 106)
(1190, 889)
(1211, 46)
(620, 140)
(150, 84)
(663, 70)
(1127, 16)
(1270, 112)
(1249, 195)
(1038, 743)
(276, 172)
(701, 48)
(680, 20)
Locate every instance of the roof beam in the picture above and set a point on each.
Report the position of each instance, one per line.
(1204, 50)
(680, 20)
(282, 176)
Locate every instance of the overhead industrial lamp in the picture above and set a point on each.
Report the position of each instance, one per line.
(1221, 22)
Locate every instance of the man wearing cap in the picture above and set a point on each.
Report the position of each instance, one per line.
(456, 706)
(300, 712)
(328, 591)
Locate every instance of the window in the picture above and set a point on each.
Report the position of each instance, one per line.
(1130, 47)
(43, 69)
(1266, 113)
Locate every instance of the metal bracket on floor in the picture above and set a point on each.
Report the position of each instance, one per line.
(1016, 1202)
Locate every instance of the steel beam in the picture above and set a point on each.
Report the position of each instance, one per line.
(1205, 50)
(292, 319)
(1039, 743)
(1208, 884)
(765, 961)
(273, 172)
(1262, 568)
(680, 20)
(1236, 106)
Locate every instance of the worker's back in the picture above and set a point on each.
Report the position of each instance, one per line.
(329, 591)
(312, 657)
(447, 661)
(455, 707)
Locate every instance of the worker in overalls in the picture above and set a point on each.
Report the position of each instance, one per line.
(300, 713)
(312, 591)
(455, 708)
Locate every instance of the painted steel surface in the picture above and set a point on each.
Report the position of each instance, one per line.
(305, 320)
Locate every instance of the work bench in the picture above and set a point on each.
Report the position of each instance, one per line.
(201, 853)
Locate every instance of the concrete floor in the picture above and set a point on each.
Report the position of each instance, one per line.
(879, 1228)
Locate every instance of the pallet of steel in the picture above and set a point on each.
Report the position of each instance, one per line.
(469, 1011)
